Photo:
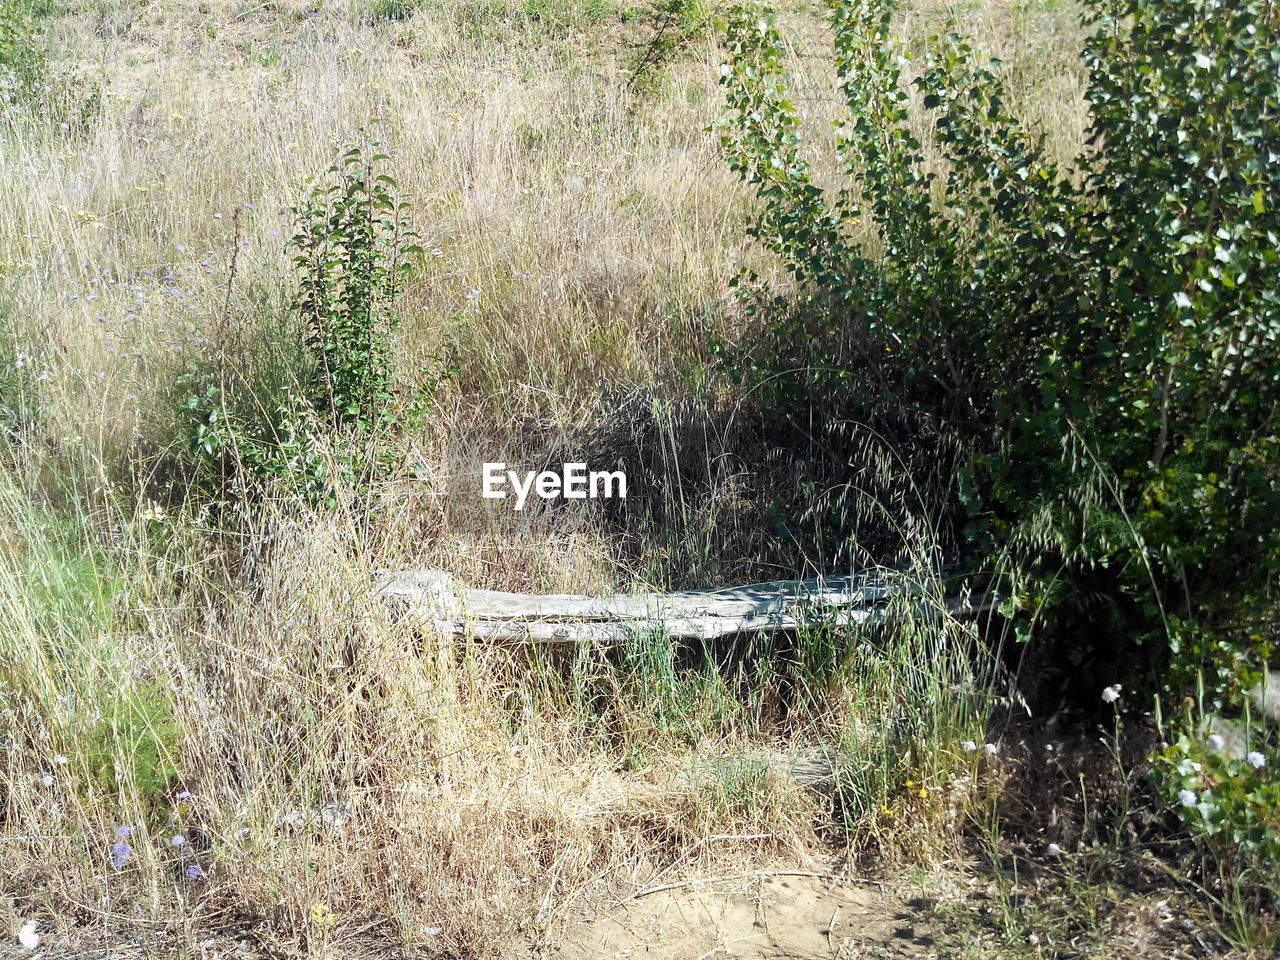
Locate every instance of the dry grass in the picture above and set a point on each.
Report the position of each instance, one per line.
(348, 776)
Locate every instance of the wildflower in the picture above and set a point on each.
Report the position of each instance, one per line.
(1216, 742)
(60, 760)
(991, 749)
(1111, 694)
(124, 833)
(120, 854)
(1188, 798)
(969, 746)
(1256, 760)
(1034, 940)
(195, 871)
(46, 780)
(185, 795)
(1053, 850)
(178, 840)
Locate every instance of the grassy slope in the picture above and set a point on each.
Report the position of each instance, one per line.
(581, 242)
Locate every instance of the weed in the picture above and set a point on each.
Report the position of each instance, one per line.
(379, 10)
(351, 252)
(672, 27)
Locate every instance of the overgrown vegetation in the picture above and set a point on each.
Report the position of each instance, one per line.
(330, 426)
(1102, 338)
(672, 27)
(33, 79)
(965, 355)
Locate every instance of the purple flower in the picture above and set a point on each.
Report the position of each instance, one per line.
(185, 795)
(178, 840)
(123, 833)
(120, 854)
(195, 871)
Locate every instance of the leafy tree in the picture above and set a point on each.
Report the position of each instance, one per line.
(1105, 343)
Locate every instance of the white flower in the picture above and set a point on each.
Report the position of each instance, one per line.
(1203, 62)
(61, 760)
(1256, 760)
(991, 749)
(1182, 300)
(1188, 798)
(46, 780)
(725, 69)
(28, 937)
(1216, 742)
(1111, 694)
(1053, 850)
(1034, 940)
(969, 746)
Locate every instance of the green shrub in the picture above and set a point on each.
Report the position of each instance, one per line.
(133, 744)
(1232, 800)
(1103, 340)
(351, 248)
(326, 425)
(1106, 349)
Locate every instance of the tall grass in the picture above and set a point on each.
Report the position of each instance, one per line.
(223, 674)
(322, 759)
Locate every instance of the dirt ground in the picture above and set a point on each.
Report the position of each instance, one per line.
(770, 915)
(775, 912)
(763, 914)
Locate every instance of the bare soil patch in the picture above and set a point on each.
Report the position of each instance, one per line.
(759, 915)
